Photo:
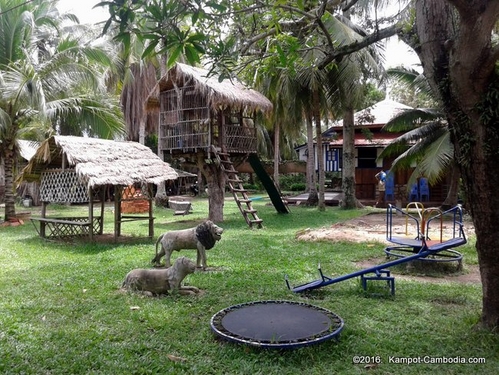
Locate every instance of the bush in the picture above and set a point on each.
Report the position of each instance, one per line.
(297, 187)
(288, 182)
(251, 187)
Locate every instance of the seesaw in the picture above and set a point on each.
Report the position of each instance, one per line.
(418, 247)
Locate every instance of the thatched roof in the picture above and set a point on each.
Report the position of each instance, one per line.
(99, 161)
(228, 93)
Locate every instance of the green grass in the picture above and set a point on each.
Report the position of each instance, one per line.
(61, 312)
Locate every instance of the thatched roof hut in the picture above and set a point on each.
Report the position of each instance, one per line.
(79, 169)
(100, 161)
(218, 94)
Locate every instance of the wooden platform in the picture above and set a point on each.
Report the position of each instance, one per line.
(331, 198)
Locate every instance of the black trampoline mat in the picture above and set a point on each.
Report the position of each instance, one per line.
(276, 323)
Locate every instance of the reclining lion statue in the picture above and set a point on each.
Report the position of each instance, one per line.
(202, 237)
(159, 281)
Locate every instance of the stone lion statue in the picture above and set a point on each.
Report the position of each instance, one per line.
(202, 237)
(159, 281)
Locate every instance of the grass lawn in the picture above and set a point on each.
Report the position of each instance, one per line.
(61, 312)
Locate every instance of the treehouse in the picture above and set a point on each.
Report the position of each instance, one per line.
(205, 120)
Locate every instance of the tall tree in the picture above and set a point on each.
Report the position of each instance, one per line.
(456, 42)
(302, 33)
(459, 59)
(47, 83)
(276, 79)
(349, 79)
(170, 31)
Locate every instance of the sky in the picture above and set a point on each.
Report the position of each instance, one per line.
(83, 10)
(396, 53)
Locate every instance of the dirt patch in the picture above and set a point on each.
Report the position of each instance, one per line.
(471, 273)
(372, 228)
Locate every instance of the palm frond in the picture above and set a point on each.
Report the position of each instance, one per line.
(416, 138)
(438, 155)
(411, 118)
(413, 79)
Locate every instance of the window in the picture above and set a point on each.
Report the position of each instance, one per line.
(366, 157)
(334, 160)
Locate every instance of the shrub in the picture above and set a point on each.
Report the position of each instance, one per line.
(287, 182)
(297, 187)
(251, 186)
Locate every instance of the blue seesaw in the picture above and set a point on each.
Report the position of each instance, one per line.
(418, 247)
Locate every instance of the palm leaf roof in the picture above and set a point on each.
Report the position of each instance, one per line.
(99, 161)
(219, 94)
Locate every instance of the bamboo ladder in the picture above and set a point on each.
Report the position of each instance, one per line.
(236, 187)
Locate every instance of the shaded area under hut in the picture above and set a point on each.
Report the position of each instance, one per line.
(81, 170)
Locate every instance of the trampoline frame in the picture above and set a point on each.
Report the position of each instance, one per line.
(337, 325)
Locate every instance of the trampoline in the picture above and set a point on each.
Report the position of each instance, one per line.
(276, 324)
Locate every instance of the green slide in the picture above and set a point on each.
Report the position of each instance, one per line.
(268, 183)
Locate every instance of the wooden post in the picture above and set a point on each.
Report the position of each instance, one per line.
(42, 223)
(117, 211)
(90, 213)
(151, 218)
(102, 206)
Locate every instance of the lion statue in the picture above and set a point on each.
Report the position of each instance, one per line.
(202, 237)
(159, 281)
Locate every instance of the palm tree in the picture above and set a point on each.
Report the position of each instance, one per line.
(315, 94)
(279, 86)
(313, 91)
(347, 92)
(48, 83)
(426, 141)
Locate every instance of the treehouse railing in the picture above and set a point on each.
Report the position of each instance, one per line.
(184, 136)
(240, 138)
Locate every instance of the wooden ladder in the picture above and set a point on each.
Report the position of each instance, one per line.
(236, 187)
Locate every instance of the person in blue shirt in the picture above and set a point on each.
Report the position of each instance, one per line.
(381, 178)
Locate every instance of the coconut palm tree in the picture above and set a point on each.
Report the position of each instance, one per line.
(279, 85)
(48, 84)
(348, 91)
(315, 94)
(426, 141)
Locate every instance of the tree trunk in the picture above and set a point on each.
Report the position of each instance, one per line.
(133, 97)
(10, 206)
(277, 135)
(313, 196)
(348, 170)
(320, 151)
(215, 182)
(459, 63)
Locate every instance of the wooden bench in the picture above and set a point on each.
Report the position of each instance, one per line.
(63, 227)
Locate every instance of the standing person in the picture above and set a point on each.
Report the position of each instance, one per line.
(381, 178)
